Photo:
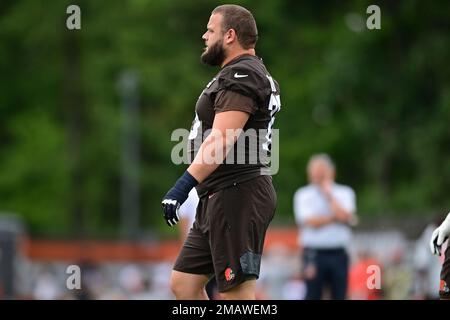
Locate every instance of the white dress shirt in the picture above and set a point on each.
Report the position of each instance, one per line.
(310, 202)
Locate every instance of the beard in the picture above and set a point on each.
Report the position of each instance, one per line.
(214, 55)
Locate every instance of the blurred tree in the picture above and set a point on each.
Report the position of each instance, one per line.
(377, 101)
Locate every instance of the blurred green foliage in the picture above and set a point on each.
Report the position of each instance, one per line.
(378, 101)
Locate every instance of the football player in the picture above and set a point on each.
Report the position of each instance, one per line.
(237, 197)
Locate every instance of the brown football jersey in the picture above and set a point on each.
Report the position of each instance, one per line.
(244, 84)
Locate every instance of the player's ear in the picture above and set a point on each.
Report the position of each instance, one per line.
(230, 36)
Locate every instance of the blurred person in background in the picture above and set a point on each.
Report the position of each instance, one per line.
(439, 236)
(324, 211)
(187, 213)
(426, 267)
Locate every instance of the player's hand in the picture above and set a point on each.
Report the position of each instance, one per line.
(176, 196)
(439, 236)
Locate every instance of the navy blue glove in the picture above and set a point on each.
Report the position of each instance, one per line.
(176, 197)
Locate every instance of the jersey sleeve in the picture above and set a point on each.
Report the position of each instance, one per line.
(227, 100)
(243, 80)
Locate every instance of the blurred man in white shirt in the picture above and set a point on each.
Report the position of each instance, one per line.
(187, 213)
(324, 210)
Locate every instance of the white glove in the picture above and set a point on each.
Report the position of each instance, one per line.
(439, 236)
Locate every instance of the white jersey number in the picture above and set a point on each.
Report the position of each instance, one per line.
(274, 107)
